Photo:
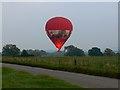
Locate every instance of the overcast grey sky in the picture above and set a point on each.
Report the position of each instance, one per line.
(0, 26)
(95, 24)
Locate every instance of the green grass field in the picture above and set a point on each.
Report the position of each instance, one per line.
(19, 79)
(101, 66)
(0, 76)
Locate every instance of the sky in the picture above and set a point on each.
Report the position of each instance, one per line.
(60, 0)
(0, 26)
(94, 24)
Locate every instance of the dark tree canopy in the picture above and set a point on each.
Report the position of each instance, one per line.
(10, 50)
(95, 51)
(73, 51)
(0, 54)
(24, 53)
(108, 52)
(36, 52)
(43, 53)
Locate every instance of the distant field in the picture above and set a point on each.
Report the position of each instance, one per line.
(101, 66)
(19, 79)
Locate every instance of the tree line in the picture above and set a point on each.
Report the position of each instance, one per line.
(94, 51)
(13, 50)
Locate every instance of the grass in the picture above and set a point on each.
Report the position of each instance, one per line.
(0, 73)
(101, 66)
(0, 76)
(20, 79)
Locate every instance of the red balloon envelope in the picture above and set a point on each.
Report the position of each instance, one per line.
(59, 30)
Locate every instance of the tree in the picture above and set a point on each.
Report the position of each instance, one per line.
(10, 50)
(118, 53)
(35, 52)
(24, 53)
(0, 54)
(108, 52)
(43, 53)
(73, 51)
(95, 52)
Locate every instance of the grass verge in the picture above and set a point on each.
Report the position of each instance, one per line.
(20, 79)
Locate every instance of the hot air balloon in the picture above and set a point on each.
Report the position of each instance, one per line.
(58, 30)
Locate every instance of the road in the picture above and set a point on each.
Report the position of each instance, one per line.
(83, 80)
